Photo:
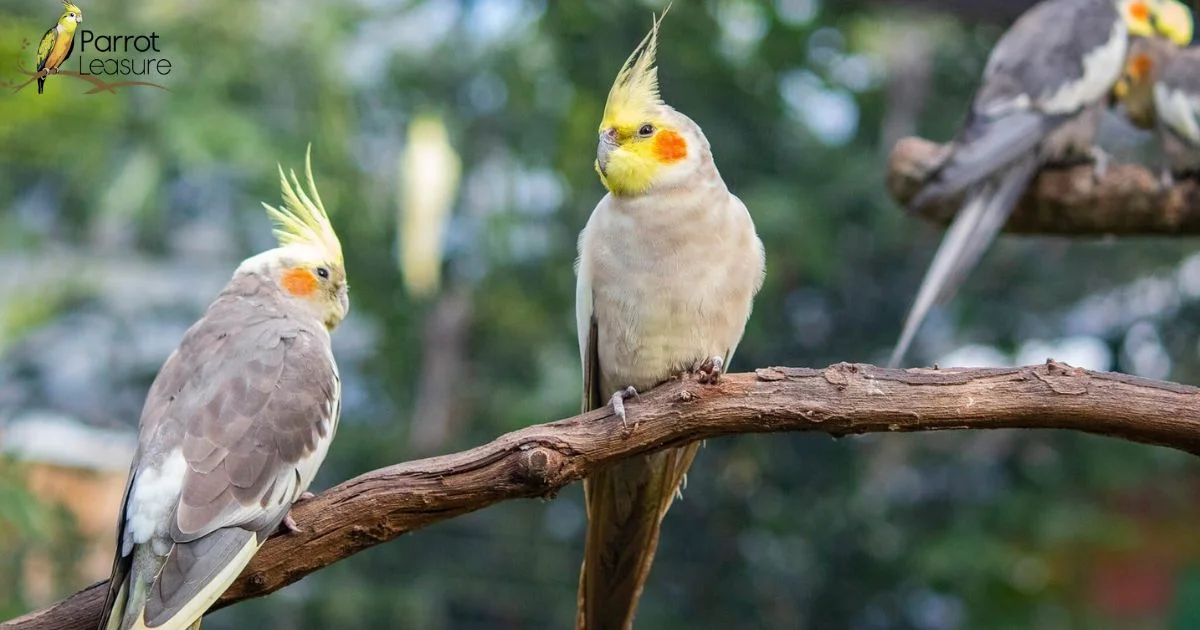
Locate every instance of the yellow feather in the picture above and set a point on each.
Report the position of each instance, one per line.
(634, 94)
(303, 220)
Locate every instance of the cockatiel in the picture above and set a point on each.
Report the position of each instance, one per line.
(235, 425)
(1044, 91)
(58, 42)
(1160, 90)
(669, 264)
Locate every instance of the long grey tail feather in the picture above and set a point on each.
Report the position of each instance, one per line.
(985, 212)
(145, 565)
(990, 148)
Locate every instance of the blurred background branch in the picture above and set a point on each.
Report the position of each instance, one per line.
(538, 461)
(1127, 200)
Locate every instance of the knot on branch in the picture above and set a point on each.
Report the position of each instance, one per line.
(541, 468)
(1062, 378)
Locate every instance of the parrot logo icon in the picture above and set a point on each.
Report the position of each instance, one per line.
(57, 43)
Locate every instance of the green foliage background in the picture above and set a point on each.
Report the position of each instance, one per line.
(1000, 530)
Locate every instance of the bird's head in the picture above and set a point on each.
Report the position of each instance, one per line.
(307, 265)
(1135, 89)
(71, 16)
(1169, 19)
(1173, 20)
(643, 142)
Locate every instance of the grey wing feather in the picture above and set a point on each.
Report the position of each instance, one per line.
(122, 563)
(1045, 49)
(1018, 103)
(987, 149)
(593, 398)
(974, 228)
(190, 568)
(1177, 96)
(243, 397)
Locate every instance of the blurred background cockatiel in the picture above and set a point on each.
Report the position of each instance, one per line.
(1045, 88)
(58, 42)
(1160, 90)
(235, 425)
(669, 264)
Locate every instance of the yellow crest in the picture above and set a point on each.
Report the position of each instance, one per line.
(1174, 21)
(635, 92)
(71, 8)
(302, 220)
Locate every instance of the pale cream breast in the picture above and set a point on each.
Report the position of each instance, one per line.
(672, 278)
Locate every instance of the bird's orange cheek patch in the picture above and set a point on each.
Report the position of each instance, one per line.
(299, 281)
(1139, 11)
(670, 146)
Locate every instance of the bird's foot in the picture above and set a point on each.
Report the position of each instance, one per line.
(710, 371)
(617, 402)
(1166, 181)
(1100, 162)
(289, 526)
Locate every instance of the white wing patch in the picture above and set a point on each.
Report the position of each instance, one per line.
(154, 494)
(1101, 69)
(306, 468)
(1177, 109)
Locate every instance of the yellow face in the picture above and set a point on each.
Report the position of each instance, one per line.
(71, 16)
(1169, 19)
(631, 153)
(321, 284)
(308, 262)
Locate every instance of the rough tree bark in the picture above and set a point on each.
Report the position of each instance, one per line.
(1068, 201)
(539, 460)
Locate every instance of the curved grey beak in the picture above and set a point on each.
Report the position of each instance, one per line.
(608, 142)
(344, 300)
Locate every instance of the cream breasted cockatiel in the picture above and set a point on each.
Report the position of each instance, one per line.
(669, 264)
(1160, 90)
(234, 427)
(1044, 90)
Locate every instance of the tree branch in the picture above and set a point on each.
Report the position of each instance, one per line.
(1067, 201)
(539, 460)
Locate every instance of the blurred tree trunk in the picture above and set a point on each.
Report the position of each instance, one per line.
(443, 372)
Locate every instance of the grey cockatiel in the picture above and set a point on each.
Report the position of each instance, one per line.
(1044, 90)
(234, 427)
(1160, 90)
(669, 264)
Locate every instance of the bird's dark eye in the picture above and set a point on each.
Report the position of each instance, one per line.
(323, 272)
(646, 130)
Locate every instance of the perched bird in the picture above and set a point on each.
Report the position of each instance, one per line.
(669, 264)
(235, 425)
(1044, 90)
(58, 42)
(1160, 90)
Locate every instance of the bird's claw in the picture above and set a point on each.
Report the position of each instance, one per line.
(289, 524)
(618, 404)
(1100, 161)
(1166, 181)
(709, 372)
